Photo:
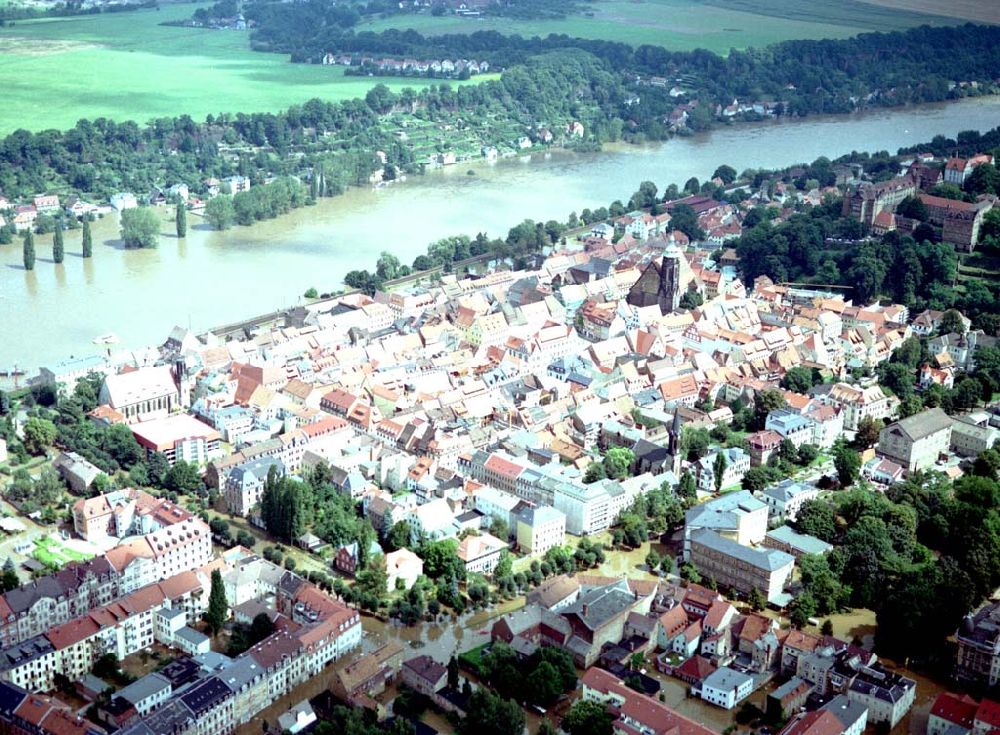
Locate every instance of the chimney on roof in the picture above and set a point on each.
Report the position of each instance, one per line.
(586, 608)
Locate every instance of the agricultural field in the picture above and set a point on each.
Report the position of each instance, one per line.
(126, 66)
(716, 25)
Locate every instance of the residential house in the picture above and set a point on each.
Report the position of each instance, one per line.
(245, 483)
(725, 687)
(78, 473)
(857, 403)
(480, 553)
(736, 464)
(762, 445)
(786, 498)
(634, 712)
(888, 695)
(978, 650)
(402, 567)
(791, 425)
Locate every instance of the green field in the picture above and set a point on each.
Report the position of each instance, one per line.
(126, 66)
(56, 555)
(717, 25)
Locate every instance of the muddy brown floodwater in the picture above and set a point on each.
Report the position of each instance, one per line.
(214, 278)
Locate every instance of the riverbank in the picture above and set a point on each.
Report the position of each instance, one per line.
(211, 278)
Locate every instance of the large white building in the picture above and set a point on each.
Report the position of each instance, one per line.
(918, 441)
(144, 393)
(738, 516)
(742, 568)
(540, 529)
(179, 437)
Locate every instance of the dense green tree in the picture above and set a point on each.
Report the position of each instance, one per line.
(140, 227)
(39, 434)
(683, 218)
(387, 267)
(807, 454)
(586, 717)
(441, 560)
(652, 560)
(868, 431)
(800, 379)
(28, 251)
(726, 173)
(9, 579)
(488, 714)
(766, 401)
(984, 179)
(180, 219)
(88, 240)
(718, 470)
(399, 536)
(756, 479)
(821, 578)
(220, 213)
(183, 478)
(618, 462)
(803, 608)
(373, 579)
(817, 518)
(218, 606)
(914, 208)
(847, 462)
(58, 246)
(951, 322)
(595, 472)
(687, 488)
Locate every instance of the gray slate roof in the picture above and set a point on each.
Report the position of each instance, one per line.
(768, 560)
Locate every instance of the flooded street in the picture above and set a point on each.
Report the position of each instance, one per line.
(439, 640)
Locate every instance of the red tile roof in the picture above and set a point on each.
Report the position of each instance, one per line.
(652, 715)
(960, 710)
(696, 668)
(65, 635)
(502, 467)
(989, 712)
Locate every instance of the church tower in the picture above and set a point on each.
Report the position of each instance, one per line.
(660, 283)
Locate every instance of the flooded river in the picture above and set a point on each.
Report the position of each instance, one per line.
(212, 278)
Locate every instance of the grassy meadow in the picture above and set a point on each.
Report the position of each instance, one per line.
(125, 66)
(682, 25)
